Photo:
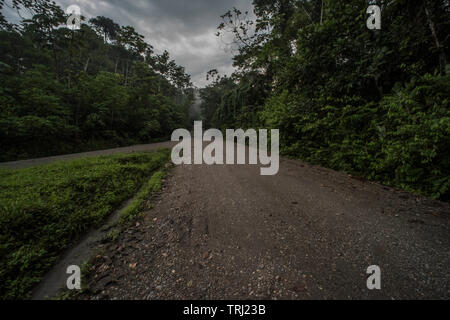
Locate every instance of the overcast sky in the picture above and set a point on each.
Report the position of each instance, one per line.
(185, 28)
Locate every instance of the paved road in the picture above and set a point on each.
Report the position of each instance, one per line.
(35, 162)
(225, 232)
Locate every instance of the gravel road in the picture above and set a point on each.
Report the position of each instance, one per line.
(225, 232)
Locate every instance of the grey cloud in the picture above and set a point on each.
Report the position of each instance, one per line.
(184, 28)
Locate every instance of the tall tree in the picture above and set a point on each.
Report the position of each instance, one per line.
(106, 27)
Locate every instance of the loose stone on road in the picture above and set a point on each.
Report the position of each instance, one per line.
(226, 232)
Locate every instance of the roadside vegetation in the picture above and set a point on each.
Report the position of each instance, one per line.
(45, 209)
(129, 215)
(139, 203)
(374, 103)
(66, 91)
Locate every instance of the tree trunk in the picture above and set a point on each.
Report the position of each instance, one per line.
(321, 14)
(126, 74)
(117, 64)
(442, 56)
(376, 79)
(55, 58)
(87, 64)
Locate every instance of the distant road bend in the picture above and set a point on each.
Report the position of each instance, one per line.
(226, 232)
(35, 162)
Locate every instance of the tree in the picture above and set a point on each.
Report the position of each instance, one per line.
(64, 90)
(105, 27)
(367, 102)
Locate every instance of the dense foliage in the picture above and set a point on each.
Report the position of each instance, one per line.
(140, 203)
(64, 90)
(45, 209)
(369, 102)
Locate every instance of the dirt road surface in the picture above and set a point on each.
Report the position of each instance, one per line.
(226, 232)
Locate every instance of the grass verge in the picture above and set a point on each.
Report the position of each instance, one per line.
(45, 209)
(138, 204)
(135, 209)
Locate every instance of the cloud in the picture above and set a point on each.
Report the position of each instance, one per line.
(185, 28)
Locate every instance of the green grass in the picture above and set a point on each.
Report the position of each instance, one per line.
(45, 209)
(138, 204)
